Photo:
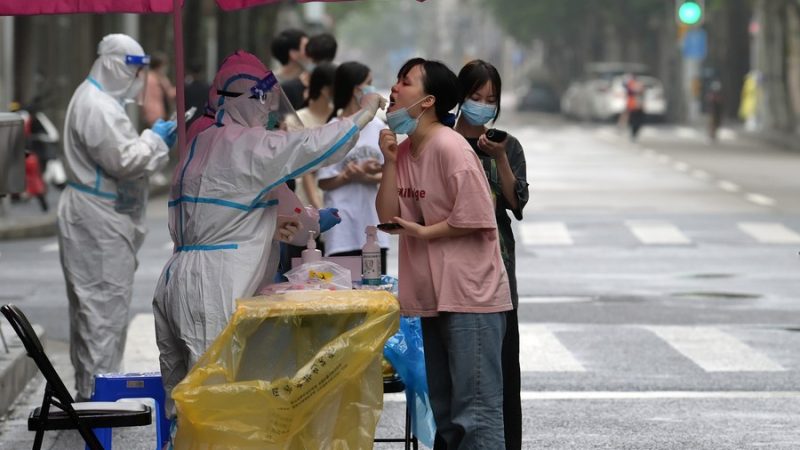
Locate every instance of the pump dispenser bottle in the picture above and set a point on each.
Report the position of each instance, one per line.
(371, 259)
(311, 254)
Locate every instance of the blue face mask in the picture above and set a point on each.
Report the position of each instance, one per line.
(401, 122)
(478, 113)
(368, 89)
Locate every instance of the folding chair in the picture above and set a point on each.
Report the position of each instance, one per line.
(69, 415)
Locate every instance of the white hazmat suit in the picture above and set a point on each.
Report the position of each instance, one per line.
(98, 245)
(223, 214)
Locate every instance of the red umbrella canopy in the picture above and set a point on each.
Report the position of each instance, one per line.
(34, 7)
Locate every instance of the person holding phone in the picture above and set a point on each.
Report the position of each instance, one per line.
(503, 161)
(451, 271)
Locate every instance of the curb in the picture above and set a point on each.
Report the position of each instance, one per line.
(28, 227)
(45, 226)
(16, 368)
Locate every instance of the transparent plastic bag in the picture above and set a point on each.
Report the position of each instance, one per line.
(301, 371)
(131, 196)
(320, 275)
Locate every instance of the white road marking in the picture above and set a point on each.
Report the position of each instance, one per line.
(635, 395)
(681, 166)
(759, 199)
(728, 186)
(714, 350)
(700, 174)
(49, 248)
(770, 232)
(141, 350)
(541, 351)
(545, 233)
(686, 132)
(657, 233)
(548, 300)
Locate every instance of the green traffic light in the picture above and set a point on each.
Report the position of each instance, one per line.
(690, 13)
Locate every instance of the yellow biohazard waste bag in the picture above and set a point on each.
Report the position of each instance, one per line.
(297, 370)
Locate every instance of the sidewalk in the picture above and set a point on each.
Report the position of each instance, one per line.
(25, 219)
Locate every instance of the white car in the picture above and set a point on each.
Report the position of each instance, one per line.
(600, 95)
(608, 98)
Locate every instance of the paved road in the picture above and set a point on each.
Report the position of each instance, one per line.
(658, 281)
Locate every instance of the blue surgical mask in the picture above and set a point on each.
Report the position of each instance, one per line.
(478, 113)
(401, 122)
(368, 89)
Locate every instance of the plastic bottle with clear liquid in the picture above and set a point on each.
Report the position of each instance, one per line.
(311, 254)
(371, 259)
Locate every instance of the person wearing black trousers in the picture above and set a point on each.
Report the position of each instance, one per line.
(503, 160)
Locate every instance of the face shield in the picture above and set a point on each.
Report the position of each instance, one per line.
(265, 104)
(140, 65)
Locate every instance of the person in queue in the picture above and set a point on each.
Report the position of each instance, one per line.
(504, 165)
(451, 272)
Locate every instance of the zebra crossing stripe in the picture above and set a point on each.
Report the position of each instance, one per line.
(657, 233)
(49, 248)
(770, 232)
(635, 395)
(141, 351)
(545, 233)
(714, 350)
(541, 351)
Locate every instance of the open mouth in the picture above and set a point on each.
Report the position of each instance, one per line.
(391, 103)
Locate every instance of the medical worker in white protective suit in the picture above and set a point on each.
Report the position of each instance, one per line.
(100, 213)
(223, 212)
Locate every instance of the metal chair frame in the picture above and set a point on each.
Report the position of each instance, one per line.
(81, 416)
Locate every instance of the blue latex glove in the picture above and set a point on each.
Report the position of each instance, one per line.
(166, 130)
(328, 218)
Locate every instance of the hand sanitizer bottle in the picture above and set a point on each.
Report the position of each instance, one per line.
(311, 254)
(371, 259)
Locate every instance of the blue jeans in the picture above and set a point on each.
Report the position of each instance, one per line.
(465, 378)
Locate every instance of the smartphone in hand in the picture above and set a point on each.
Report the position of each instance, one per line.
(389, 226)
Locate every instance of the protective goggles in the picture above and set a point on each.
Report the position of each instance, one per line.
(142, 64)
(258, 91)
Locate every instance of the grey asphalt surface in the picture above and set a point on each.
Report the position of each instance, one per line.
(599, 296)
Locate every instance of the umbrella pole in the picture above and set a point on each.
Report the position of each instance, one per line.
(177, 25)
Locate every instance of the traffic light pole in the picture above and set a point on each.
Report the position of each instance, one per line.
(692, 88)
(690, 15)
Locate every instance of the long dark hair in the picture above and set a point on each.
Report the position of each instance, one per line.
(348, 76)
(322, 76)
(439, 81)
(473, 76)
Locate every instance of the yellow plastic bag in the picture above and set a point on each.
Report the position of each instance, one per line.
(298, 370)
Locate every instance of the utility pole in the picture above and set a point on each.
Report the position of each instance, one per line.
(7, 58)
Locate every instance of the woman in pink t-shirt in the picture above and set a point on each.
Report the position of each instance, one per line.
(451, 270)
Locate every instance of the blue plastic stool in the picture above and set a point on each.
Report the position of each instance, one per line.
(111, 387)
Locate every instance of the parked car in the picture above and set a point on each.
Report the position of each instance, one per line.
(600, 94)
(539, 97)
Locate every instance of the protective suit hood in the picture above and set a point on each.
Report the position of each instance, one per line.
(239, 62)
(252, 97)
(110, 70)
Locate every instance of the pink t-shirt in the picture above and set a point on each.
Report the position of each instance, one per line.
(457, 274)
